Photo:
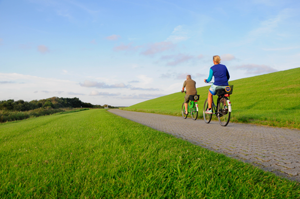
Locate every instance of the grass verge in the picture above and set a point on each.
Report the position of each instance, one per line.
(95, 154)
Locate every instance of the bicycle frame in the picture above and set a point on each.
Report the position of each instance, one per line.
(222, 110)
(192, 109)
(192, 105)
(214, 107)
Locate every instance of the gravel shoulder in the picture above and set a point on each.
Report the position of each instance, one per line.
(272, 149)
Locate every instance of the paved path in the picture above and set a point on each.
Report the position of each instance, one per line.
(272, 149)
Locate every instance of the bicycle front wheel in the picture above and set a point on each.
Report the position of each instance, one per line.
(224, 111)
(206, 117)
(194, 113)
(183, 111)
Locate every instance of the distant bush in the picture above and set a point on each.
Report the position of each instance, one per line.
(6, 116)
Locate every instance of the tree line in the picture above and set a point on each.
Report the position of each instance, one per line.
(53, 102)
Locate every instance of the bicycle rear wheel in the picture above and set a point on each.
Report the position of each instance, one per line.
(183, 111)
(223, 113)
(206, 117)
(194, 113)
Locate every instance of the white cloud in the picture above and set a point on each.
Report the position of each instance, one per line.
(227, 57)
(7, 82)
(166, 75)
(281, 49)
(88, 83)
(144, 80)
(199, 75)
(74, 93)
(106, 94)
(200, 56)
(64, 13)
(113, 37)
(144, 89)
(133, 81)
(256, 69)
(135, 66)
(177, 28)
(128, 47)
(174, 60)
(148, 50)
(43, 49)
(176, 87)
(268, 29)
(28, 87)
(178, 35)
(270, 24)
(182, 75)
(158, 47)
(141, 96)
(176, 38)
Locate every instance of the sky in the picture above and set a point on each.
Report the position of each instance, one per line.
(122, 52)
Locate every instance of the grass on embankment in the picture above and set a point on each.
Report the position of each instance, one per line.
(272, 99)
(96, 154)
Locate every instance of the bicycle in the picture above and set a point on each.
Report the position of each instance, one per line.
(192, 107)
(223, 108)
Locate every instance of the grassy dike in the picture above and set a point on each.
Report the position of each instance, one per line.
(271, 99)
(96, 154)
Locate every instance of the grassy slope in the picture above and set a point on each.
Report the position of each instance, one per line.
(95, 154)
(272, 99)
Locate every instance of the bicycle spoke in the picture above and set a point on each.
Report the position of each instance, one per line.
(194, 113)
(206, 117)
(183, 111)
(223, 113)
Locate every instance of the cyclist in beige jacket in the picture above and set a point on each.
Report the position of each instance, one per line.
(190, 86)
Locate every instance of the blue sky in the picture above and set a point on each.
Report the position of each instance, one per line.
(122, 52)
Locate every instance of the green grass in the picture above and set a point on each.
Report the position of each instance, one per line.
(271, 99)
(95, 154)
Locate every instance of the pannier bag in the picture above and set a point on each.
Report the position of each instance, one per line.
(224, 90)
(194, 97)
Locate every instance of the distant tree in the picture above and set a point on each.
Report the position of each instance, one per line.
(87, 105)
(7, 105)
(53, 102)
(48, 104)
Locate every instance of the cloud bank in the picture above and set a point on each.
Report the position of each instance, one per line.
(256, 69)
(174, 60)
(101, 85)
(227, 57)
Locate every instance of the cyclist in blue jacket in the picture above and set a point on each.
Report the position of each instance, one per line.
(221, 75)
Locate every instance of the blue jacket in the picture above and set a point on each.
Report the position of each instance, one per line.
(221, 74)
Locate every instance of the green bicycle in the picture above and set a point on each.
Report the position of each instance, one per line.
(192, 107)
